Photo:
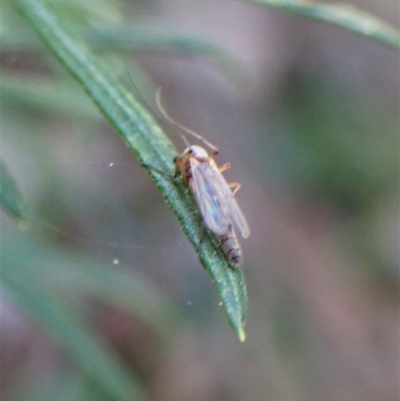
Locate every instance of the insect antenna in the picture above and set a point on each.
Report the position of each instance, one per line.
(185, 140)
(180, 126)
(142, 99)
(162, 115)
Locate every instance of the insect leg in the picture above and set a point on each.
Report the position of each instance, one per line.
(224, 167)
(235, 185)
(201, 238)
(157, 170)
(213, 154)
(201, 233)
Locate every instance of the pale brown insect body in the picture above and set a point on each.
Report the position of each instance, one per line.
(231, 246)
(214, 197)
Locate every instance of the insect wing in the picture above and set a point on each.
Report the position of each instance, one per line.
(225, 200)
(237, 216)
(208, 186)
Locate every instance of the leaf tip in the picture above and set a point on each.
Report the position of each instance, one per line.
(242, 335)
(24, 224)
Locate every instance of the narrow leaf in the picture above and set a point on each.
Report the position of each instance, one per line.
(148, 38)
(45, 94)
(342, 15)
(71, 273)
(79, 341)
(10, 198)
(146, 140)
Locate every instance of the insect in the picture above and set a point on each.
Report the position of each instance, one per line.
(213, 195)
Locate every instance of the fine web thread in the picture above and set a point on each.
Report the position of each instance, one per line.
(51, 227)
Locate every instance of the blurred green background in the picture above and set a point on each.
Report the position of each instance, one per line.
(102, 296)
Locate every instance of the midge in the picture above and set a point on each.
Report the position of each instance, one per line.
(214, 197)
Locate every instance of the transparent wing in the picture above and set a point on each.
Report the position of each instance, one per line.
(230, 205)
(209, 188)
(237, 215)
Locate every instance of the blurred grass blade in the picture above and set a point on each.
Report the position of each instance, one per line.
(342, 15)
(81, 344)
(10, 198)
(71, 273)
(146, 140)
(46, 94)
(143, 38)
(159, 39)
(59, 385)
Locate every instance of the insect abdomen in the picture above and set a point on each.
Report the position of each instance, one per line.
(231, 246)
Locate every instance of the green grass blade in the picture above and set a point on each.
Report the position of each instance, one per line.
(159, 39)
(72, 273)
(81, 344)
(45, 94)
(143, 38)
(57, 386)
(10, 198)
(341, 15)
(146, 140)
